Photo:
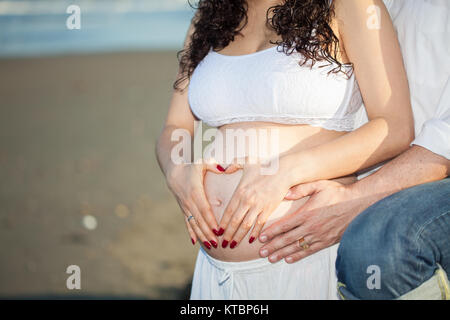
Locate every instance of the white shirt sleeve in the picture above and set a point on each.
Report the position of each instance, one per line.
(435, 134)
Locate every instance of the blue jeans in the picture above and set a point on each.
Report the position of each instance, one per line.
(397, 244)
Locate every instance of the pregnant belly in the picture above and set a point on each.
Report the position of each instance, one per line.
(219, 188)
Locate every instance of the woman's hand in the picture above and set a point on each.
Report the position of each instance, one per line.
(186, 183)
(254, 200)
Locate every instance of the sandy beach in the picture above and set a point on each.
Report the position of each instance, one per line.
(77, 140)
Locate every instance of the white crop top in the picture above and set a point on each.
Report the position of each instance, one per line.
(270, 86)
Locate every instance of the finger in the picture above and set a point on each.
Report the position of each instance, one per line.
(284, 225)
(315, 247)
(200, 221)
(260, 222)
(187, 214)
(232, 168)
(191, 232)
(233, 225)
(213, 166)
(291, 248)
(182, 207)
(195, 227)
(229, 210)
(246, 225)
(205, 209)
(237, 164)
(302, 190)
(282, 241)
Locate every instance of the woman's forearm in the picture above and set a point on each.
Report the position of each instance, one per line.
(375, 142)
(381, 76)
(164, 148)
(186, 183)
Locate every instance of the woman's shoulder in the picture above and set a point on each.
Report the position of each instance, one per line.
(359, 16)
(353, 9)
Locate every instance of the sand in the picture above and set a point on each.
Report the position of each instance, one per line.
(77, 140)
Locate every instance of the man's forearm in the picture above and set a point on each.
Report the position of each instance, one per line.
(414, 167)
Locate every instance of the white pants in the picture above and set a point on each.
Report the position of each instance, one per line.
(313, 278)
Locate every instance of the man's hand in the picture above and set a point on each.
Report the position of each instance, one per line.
(321, 221)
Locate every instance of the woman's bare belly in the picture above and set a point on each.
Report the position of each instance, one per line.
(219, 188)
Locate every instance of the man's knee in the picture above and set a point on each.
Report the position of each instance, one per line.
(382, 241)
(367, 255)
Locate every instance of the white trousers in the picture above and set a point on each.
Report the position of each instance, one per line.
(313, 278)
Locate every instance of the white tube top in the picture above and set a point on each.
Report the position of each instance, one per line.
(270, 86)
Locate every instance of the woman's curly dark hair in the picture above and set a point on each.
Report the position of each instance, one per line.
(303, 26)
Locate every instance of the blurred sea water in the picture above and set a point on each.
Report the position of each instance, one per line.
(38, 27)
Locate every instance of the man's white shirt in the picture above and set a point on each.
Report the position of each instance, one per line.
(423, 29)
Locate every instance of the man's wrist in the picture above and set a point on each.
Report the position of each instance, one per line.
(367, 192)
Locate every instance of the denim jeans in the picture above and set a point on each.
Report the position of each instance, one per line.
(397, 245)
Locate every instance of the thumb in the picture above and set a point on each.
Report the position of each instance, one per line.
(302, 190)
(237, 164)
(232, 168)
(212, 165)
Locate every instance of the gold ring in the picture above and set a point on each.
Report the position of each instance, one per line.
(302, 243)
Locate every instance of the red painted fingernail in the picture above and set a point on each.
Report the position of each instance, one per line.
(214, 243)
(193, 241)
(216, 232)
(224, 243)
(220, 168)
(251, 240)
(207, 244)
(221, 231)
(233, 244)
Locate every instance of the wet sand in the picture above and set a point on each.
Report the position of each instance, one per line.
(77, 139)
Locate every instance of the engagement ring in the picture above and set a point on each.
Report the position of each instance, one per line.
(302, 243)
